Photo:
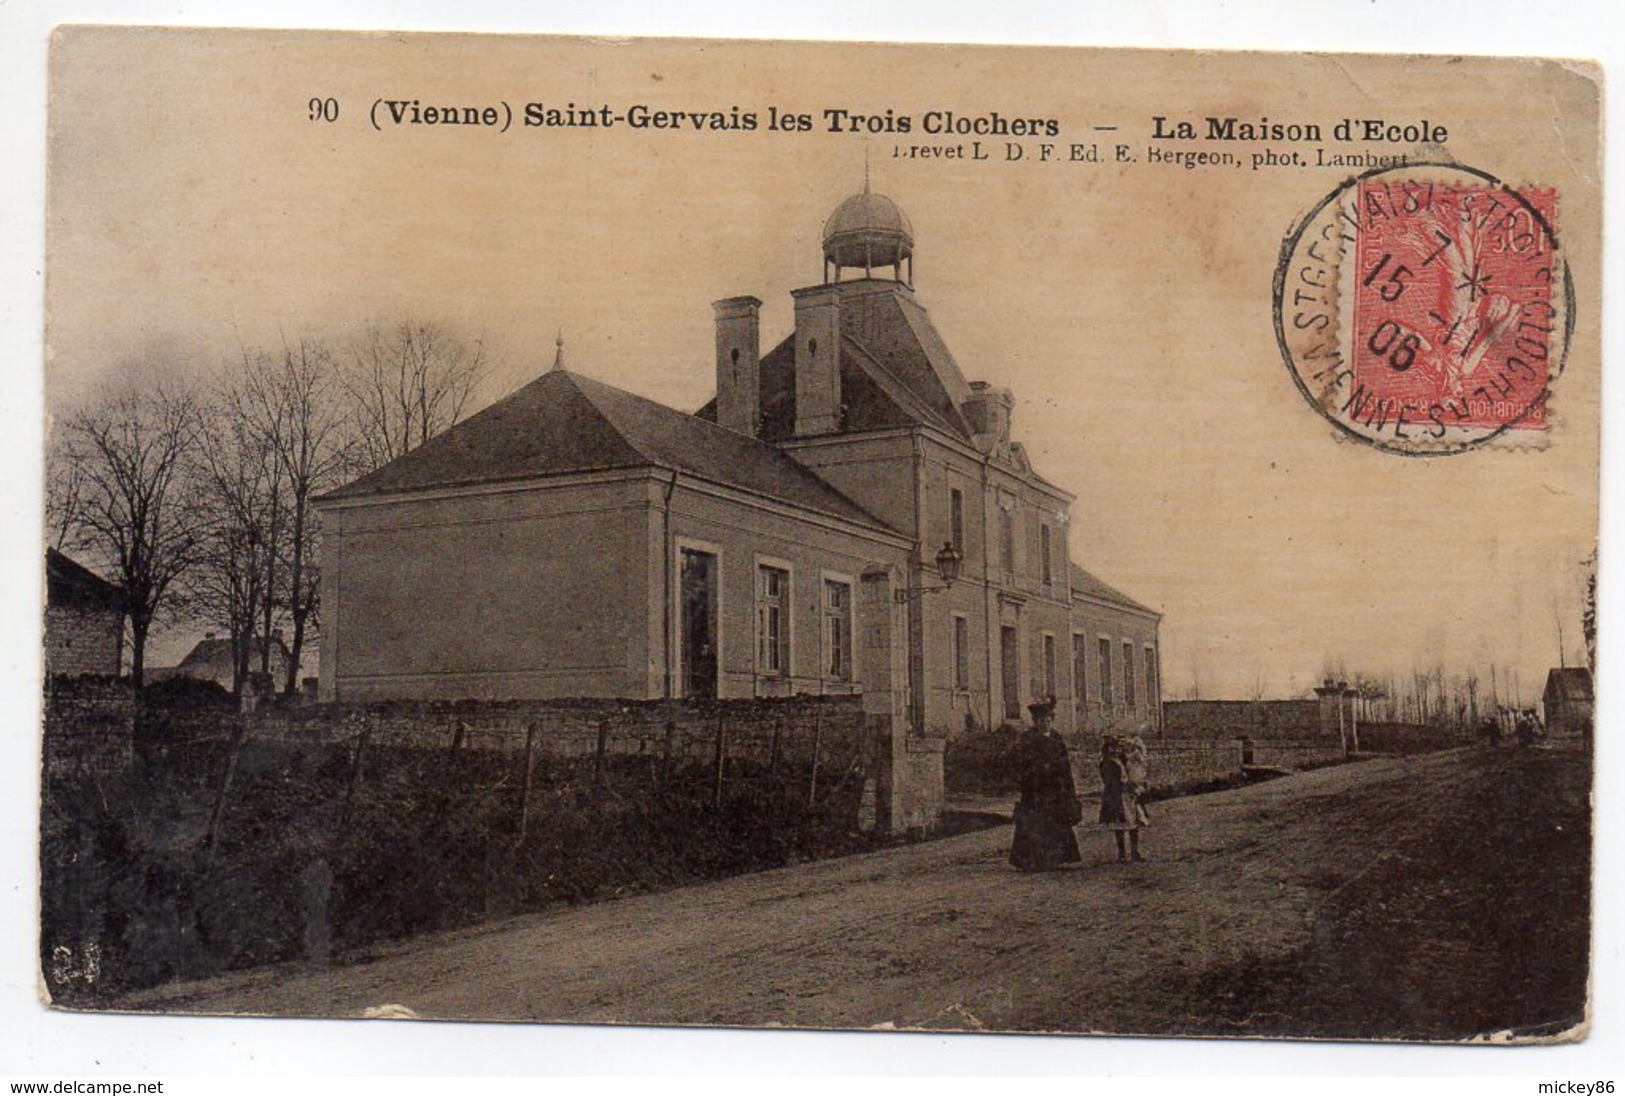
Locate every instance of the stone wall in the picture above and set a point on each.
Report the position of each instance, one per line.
(83, 640)
(1216, 720)
(1295, 755)
(828, 738)
(1170, 765)
(1405, 738)
(89, 724)
(756, 729)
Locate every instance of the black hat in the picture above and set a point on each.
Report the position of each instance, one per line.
(1044, 707)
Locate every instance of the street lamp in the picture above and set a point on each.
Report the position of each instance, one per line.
(948, 561)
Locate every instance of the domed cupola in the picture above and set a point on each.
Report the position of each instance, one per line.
(867, 231)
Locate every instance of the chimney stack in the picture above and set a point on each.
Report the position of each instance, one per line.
(739, 360)
(818, 360)
(987, 412)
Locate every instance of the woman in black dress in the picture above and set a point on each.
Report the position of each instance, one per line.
(1049, 802)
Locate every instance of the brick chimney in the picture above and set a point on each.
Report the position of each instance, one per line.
(818, 360)
(739, 360)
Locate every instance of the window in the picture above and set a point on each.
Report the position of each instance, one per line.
(1007, 541)
(961, 652)
(1105, 675)
(1080, 662)
(838, 630)
(1049, 666)
(1010, 671)
(1151, 694)
(956, 519)
(697, 637)
(772, 620)
(1128, 674)
(1043, 554)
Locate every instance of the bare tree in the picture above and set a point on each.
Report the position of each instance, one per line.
(127, 472)
(240, 523)
(64, 496)
(1369, 691)
(407, 383)
(290, 402)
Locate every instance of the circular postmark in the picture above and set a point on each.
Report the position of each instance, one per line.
(1426, 309)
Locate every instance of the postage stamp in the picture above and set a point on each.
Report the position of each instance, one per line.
(1425, 309)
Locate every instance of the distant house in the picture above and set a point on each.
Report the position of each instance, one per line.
(84, 620)
(211, 660)
(1568, 701)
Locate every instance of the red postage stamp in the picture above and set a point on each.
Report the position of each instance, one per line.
(1453, 304)
(1425, 310)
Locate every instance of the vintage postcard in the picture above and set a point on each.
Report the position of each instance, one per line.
(773, 534)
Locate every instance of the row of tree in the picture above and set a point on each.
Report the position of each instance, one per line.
(1428, 695)
(195, 498)
(1461, 699)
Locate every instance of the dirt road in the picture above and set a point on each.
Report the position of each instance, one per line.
(1437, 896)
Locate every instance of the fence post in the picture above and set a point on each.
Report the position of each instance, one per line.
(598, 753)
(524, 788)
(721, 759)
(239, 731)
(818, 741)
(355, 770)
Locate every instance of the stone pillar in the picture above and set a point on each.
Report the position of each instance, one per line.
(1352, 703)
(907, 771)
(1332, 721)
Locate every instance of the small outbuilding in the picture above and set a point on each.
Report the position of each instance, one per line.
(84, 620)
(1568, 702)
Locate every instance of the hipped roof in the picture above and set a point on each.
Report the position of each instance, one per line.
(563, 422)
(217, 652)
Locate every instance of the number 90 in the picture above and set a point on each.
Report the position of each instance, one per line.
(324, 110)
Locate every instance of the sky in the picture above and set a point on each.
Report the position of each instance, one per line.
(196, 209)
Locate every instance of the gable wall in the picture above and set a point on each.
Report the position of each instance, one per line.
(572, 590)
(515, 594)
(83, 640)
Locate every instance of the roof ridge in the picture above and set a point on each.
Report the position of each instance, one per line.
(667, 409)
(920, 404)
(724, 435)
(907, 307)
(575, 380)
